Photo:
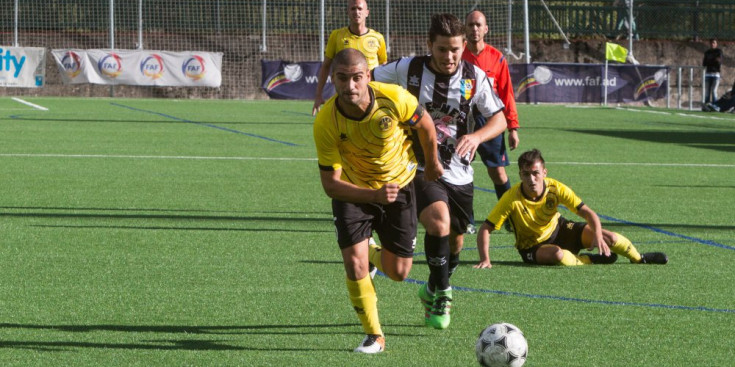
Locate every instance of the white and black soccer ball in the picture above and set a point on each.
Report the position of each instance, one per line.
(501, 345)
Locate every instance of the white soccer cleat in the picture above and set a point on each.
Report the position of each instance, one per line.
(371, 344)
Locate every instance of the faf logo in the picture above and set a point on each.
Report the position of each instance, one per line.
(541, 75)
(152, 66)
(72, 64)
(110, 65)
(193, 68)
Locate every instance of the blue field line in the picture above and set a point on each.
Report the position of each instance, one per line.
(651, 228)
(204, 124)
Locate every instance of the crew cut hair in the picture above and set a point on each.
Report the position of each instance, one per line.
(446, 25)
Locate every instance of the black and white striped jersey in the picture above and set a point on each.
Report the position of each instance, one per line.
(451, 101)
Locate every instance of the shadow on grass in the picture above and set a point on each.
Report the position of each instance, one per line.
(714, 140)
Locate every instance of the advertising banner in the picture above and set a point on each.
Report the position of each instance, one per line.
(285, 80)
(583, 83)
(22, 66)
(140, 67)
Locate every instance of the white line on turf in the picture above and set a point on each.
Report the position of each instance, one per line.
(29, 104)
(183, 157)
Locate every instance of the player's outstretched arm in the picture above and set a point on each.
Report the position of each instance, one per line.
(593, 221)
(483, 246)
(323, 75)
(433, 169)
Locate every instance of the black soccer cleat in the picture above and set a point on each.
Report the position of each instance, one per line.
(654, 258)
(602, 259)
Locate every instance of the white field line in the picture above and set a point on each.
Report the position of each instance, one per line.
(29, 104)
(683, 114)
(182, 157)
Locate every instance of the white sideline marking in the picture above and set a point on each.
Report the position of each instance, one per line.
(184, 157)
(683, 114)
(29, 104)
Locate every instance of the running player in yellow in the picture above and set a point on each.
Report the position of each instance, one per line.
(356, 35)
(543, 236)
(367, 165)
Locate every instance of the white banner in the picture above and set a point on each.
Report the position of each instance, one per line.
(140, 67)
(22, 66)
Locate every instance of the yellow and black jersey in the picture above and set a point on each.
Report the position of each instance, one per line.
(374, 149)
(534, 221)
(371, 44)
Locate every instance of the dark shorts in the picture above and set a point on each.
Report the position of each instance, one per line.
(492, 152)
(457, 197)
(394, 223)
(567, 235)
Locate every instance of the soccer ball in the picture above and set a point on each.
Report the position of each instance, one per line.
(501, 345)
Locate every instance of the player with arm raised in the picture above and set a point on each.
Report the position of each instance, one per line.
(492, 61)
(543, 236)
(451, 90)
(367, 166)
(356, 35)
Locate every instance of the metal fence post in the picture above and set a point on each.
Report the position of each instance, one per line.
(15, 25)
(387, 26)
(691, 91)
(678, 88)
(263, 47)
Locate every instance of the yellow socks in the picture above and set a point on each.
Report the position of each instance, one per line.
(624, 247)
(365, 302)
(569, 259)
(374, 256)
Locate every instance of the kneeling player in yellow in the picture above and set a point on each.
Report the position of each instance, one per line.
(367, 166)
(543, 236)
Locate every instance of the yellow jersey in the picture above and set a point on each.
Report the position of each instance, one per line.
(371, 44)
(534, 221)
(375, 149)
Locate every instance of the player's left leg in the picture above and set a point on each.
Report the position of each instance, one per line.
(622, 246)
(362, 296)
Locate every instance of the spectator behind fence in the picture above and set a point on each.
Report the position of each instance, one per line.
(711, 62)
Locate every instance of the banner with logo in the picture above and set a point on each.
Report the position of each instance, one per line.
(583, 83)
(140, 67)
(22, 66)
(286, 80)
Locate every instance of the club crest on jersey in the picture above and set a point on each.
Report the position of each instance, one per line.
(385, 123)
(466, 87)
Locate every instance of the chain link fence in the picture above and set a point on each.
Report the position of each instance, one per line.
(247, 31)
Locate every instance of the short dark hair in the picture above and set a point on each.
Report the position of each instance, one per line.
(446, 25)
(530, 157)
(349, 56)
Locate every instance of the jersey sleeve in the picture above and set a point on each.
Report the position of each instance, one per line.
(505, 92)
(382, 51)
(487, 101)
(389, 73)
(501, 211)
(331, 48)
(325, 139)
(568, 198)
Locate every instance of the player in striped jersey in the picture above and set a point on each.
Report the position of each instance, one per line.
(367, 167)
(543, 236)
(451, 90)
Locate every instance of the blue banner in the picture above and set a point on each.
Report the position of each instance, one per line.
(286, 80)
(583, 83)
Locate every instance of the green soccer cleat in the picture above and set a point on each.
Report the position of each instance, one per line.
(427, 301)
(439, 317)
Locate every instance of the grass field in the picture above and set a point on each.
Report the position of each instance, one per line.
(162, 232)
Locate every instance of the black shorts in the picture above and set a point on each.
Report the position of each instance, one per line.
(492, 152)
(394, 223)
(457, 197)
(567, 235)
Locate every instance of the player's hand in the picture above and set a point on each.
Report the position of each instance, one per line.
(388, 193)
(318, 102)
(483, 265)
(467, 145)
(433, 171)
(601, 245)
(513, 139)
